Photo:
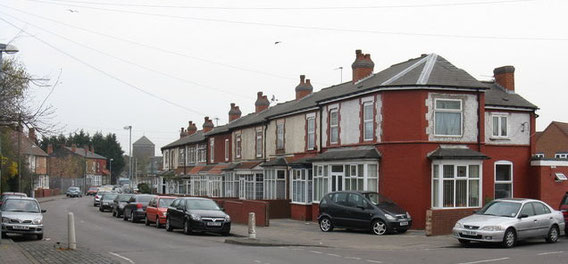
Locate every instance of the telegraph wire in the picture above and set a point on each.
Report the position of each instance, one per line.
(307, 8)
(104, 72)
(151, 46)
(318, 28)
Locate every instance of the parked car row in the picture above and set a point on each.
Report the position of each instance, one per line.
(191, 214)
(21, 215)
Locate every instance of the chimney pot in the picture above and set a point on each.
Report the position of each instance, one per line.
(362, 66)
(261, 103)
(304, 87)
(505, 77)
(49, 149)
(234, 112)
(207, 124)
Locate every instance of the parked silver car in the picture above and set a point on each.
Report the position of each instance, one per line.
(22, 215)
(507, 220)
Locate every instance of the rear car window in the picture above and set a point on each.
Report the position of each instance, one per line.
(144, 199)
(340, 198)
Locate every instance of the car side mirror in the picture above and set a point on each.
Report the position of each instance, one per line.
(523, 216)
(222, 209)
(43, 211)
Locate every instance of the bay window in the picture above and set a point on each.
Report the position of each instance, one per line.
(456, 184)
(360, 176)
(448, 117)
(275, 184)
(251, 186)
(231, 185)
(503, 179)
(302, 186)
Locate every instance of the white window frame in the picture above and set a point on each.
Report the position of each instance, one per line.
(191, 155)
(231, 181)
(202, 153)
(440, 178)
(503, 162)
(311, 134)
(181, 156)
(436, 111)
(258, 145)
(322, 173)
(271, 182)
(238, 146)
(371, 120)
(499, 117)
(561, 155)
(331, 126)
(280, 136)
(226, 149)
(212, 150)
(539, 155)
(302, 180)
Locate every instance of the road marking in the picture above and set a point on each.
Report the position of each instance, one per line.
(484, 261)
(257, 261)
(122, 257)
(333, 255)
(355, 258)
(296, 248)
(549, 253)
(373, 261)
(317, 252)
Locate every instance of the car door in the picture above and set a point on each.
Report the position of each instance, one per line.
(172, 211)
(129, 207)
(340, 209)
(544, 219)
(151, 210)
(526, 226)
(180, 209)
(359, 213)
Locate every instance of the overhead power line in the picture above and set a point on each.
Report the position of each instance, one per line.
(319, 28)
(104, 72)
(306, 8)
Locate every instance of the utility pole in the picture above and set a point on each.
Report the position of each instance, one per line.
(19, 128)
(129, 128)
(8, 49)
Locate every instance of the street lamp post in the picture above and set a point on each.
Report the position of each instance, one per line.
(110, 169)
(129, 128)
(8, 49)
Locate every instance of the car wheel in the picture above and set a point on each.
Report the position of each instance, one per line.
(553, 233)
(379, 227)
(101, 209)
(325, 224)
(158, 222)
(113, 213)
(39, 237)
(132, 218)
(186, 228)
(124, 217)
(3, 235)
(464, 242)
(510, 238)
(168, 225)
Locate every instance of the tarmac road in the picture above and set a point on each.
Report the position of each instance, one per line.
(137, 243)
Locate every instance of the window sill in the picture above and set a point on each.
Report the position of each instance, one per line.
(500, 138)
(300, 203)
(454, 208)
(448, 136)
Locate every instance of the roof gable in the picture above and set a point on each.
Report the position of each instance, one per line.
(143, 141)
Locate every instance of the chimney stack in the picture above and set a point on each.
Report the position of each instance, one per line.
(92, 149)
(86, 149)
(73, 147)
(32, 135)
(234, 113)
(183, 132)
(505, 76)
(207, 125)
(261, 103)
(362, 66)
(191, 128)
(304, 88)
(49, 149)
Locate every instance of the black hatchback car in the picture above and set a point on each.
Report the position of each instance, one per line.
(136, 207)
(197, 214)
(362, 210)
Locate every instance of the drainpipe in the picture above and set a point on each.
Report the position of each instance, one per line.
(478, 121)
(320, 129)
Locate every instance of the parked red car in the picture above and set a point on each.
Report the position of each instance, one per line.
(564, 209)
(157, 209)
(92, 190)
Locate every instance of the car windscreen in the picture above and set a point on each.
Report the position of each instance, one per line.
(73, 189)
(124, 198)
(165, 202)
(501, 208)
(109, 196)
(144, 199)
(377, 199)
(202, 205)
(18, 205)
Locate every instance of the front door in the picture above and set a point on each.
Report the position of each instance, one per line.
(336, 178)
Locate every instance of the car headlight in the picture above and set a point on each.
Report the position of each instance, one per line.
(164, 213)
(492, 228)
(390, 217)
(195, 217)
(37, 221)
(408, 215)
(227, 218)
(5, 220)
(458, 225)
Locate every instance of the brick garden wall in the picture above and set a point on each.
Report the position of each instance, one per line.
(301, 212)
(441, 222)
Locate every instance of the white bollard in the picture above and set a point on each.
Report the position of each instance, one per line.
(71, 231)
(252, 226)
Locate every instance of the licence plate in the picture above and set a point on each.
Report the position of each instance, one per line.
(105, 203)
(470, 233)
(21, 227)
(214, 223)
(404, 223)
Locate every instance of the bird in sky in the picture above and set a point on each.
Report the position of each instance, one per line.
(73, 11)
(277, 42)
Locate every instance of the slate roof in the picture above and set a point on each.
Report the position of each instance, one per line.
(362, 152)
(143, 141)
(193, 138)
(499, 96)
(562, 126)
(81, 152)
(279, 162)
(456, 154)
(28, 147)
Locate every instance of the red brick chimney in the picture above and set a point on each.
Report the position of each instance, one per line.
(182, 133)
(304, 88)
(505, 76)
(32, 135)
(362, 66)
(86, 149)
(74, 147)
(234, 113)
(207, 125)
(191, 129)
(49, 149)
(92, 149)
(261, 103)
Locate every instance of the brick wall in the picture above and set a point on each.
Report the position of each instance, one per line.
(239, 210)
(315, 212)
(301, 212)
(549, 190)
(441, 222)
(278, 208)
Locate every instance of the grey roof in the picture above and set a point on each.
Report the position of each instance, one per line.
(456, 154)
(279, 162)
(362, 152)
(28, 147)
(193, 138)
(218, 130)
(499, 96)
(301, 163)
(143, 141)
(81, 152)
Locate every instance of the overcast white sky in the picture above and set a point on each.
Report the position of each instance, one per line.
(202, 59)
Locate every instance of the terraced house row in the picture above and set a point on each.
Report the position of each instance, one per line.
(423, 132)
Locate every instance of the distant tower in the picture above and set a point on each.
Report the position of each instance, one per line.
(143, 149)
